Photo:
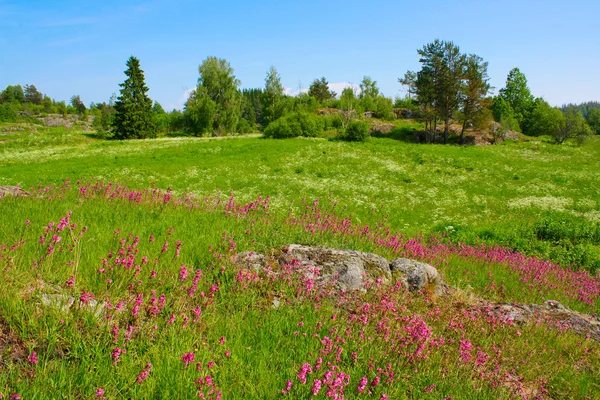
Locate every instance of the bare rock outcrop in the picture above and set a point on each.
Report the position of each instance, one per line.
(552, 312)
(13, 191)
(417, 276)
(350, 269)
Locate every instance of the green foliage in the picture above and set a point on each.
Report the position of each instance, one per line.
(543, 119)
(133, 108)
(32, 95)
(319, 89)
(349, 105)
(295, 124)
(253, 106)
(474, 91)
(410, 81)
(272, 96)
(504, 113)
(244, 126)
(200, 112)
(517, 94)
(12, 94)
(368, 88)
(406, 103)
(572, 126)
(384, 108)
(8, 112)
(593, 120)
(356, 131)
(61, 108)
(439, 83)
(176, 121)
(216, 102)
(78, 104)
(157, 108)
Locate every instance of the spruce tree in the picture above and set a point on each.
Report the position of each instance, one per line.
(133, 117)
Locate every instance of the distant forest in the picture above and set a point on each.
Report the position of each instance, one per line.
(450, 88)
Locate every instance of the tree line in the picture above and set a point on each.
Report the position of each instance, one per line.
(450, 88)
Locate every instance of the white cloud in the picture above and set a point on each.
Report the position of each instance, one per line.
(178, 105)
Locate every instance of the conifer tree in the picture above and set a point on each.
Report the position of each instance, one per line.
(133, 117)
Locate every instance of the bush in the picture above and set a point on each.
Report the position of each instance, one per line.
(356, 131)
(244, 126)
(294, 125)
(8, 112)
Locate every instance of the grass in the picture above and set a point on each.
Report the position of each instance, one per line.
(491, 193)
(414, 346)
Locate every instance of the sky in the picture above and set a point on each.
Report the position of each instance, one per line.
(80, 47)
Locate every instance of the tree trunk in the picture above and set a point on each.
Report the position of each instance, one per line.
(434, 130)
(462, 132)
(446, 131)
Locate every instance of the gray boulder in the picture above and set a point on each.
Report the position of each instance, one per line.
(252, 260)
(347, 268)
(552, 311)
(416, 276)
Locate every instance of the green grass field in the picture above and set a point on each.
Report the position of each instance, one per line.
(540, 199)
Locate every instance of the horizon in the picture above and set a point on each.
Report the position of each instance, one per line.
(74, 48)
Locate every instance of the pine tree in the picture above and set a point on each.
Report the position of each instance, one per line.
(133, 117)
(474, 91)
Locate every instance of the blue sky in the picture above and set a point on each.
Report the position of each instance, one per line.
(80, 47)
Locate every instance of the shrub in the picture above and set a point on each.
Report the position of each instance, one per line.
(8, 112)
(244, 126)
(356, 131)
(294, 125)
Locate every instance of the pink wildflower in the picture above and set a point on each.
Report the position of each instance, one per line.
(288, 387)
(465, 351)
(306, 368)
(363, 384)
(32, 359)
(144, 374)
(316, 387)
(188, 358)
(429, 388)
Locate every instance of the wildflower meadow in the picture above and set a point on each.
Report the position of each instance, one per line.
(123, 276)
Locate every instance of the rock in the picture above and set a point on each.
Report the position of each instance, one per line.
(64, 303)
(552, 311)
(374, 264)
(61, 302)
(252, 260)
(345, 268)
(349, 269)
(13, 191)
(416, 276)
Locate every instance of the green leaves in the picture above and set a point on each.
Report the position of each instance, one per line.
(319, 89)
(517, 94)
(216, 106)
(133, 117)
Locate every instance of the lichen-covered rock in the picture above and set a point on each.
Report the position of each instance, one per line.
(345, 268)
(416, 276)
(65, 303)
(13, 191)
(551, 311)
(348, 269)
(252, 260)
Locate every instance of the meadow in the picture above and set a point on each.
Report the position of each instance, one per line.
(134, 244)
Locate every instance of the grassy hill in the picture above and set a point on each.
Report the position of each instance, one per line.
(515, 222)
